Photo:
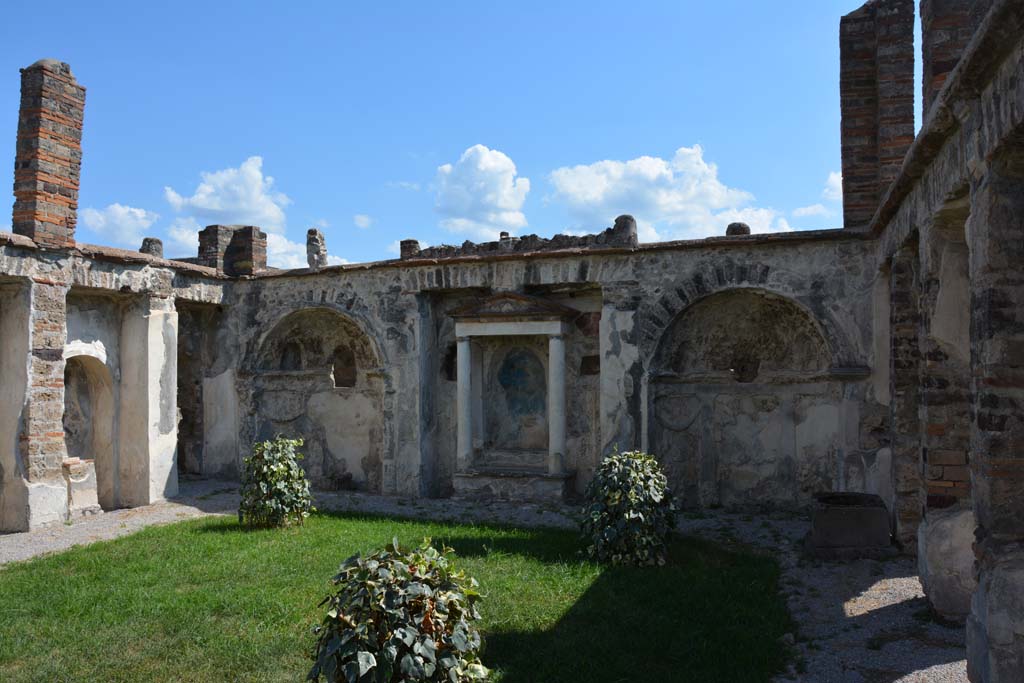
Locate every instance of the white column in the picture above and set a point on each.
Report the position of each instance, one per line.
(556, 404)
(464, 404)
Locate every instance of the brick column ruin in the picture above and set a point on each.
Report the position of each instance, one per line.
(41, 442)
(904, 377)
(876, 84)
(48, 157)
(945, 373)
(995, 648)
(947, 26)
(233, 249)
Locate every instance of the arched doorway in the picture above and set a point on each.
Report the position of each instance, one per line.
(89, 423)
(744, 411)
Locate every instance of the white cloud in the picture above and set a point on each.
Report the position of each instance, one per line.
(404, 185)
(812, 210)
(283, 253)
(480, 195)
(321, 223)
(183, 238)
(123, 225)
(362, 221)
(833, 191)
(235, 195)
(286, 254)
(244, 196)
(681, 198)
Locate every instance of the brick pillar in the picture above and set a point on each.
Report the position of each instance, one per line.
(876, 84)
(945, 391)
(995, 647)
(947, 26)
(904, 377)
(42, 438)
(233, 249)
(48, 156)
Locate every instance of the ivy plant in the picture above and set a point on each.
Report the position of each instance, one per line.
(629, 511)
(275, 491)
(399, 616)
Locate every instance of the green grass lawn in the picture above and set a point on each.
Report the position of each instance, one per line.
(205, 601)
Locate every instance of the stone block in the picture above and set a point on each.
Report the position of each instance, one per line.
(945, 561)
(80, 476)
(518, 486)
(848, 525)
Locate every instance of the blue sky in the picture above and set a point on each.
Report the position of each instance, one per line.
(442, 121)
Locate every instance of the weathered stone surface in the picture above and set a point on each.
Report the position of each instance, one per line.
(82, 487)
(316, 249)
(945, 561)
(995, 629)
(152, 246)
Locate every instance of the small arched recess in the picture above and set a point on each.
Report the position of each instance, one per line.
(89, 424)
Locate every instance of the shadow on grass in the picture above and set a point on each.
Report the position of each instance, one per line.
(710, 615)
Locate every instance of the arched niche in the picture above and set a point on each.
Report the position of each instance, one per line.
(744, 336)
(311, 339)
(744, 408)
(89, 420)
(317, 377)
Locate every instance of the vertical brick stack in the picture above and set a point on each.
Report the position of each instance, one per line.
(233, 249)
(876, 84)
(995, 649)
(247, 251)
(904, 375)
(947, 26)
(48, 157)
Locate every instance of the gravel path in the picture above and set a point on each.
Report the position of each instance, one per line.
(864, 621)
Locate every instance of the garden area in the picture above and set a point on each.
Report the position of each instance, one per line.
(206, 600)
(284, 592)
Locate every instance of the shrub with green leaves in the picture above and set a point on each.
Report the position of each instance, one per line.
(275, 491)
(400, 616)
(629, 511)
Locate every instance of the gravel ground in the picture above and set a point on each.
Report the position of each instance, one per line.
(862, 621)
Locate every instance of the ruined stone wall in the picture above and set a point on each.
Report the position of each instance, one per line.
(112, 308)
(628, 299)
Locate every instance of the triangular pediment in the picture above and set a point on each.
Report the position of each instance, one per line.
(509, 306)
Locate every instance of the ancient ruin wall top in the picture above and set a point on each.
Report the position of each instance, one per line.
(622, 234)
